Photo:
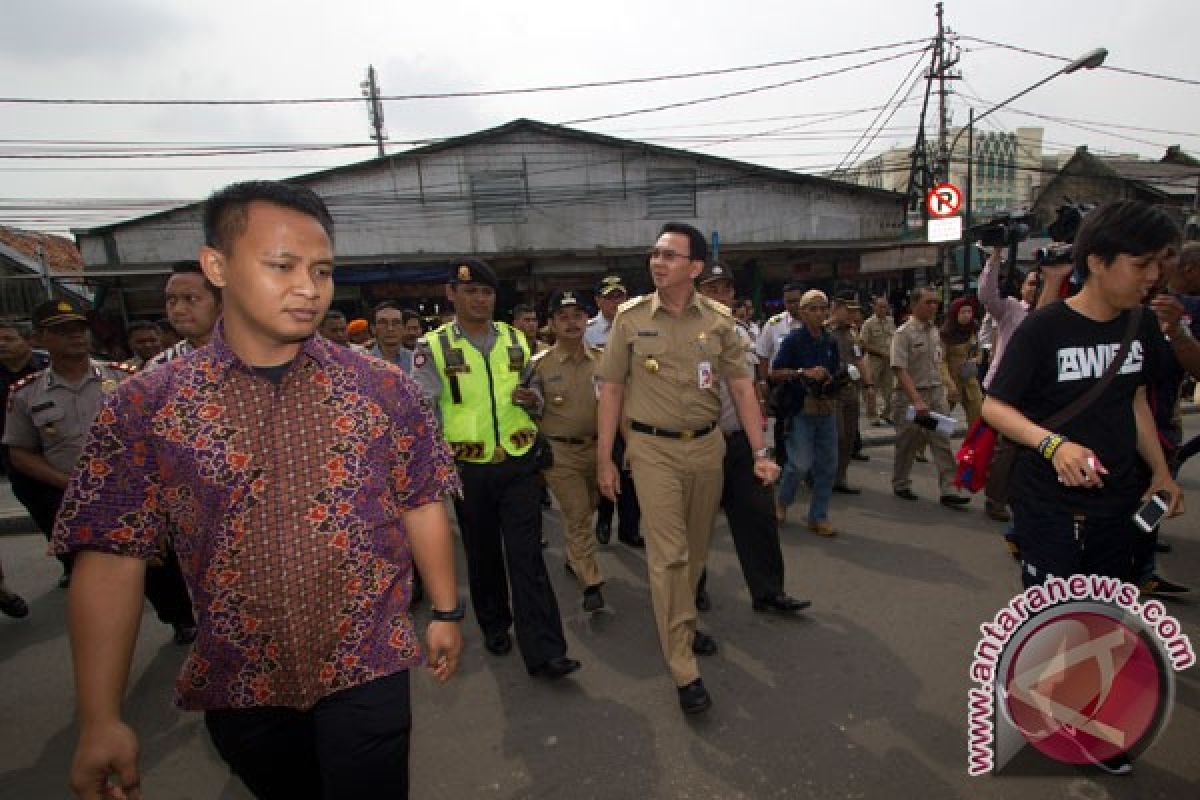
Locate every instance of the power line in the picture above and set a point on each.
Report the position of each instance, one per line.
(743, 92)
(458, 94)
(1124, 70)
(903, 81)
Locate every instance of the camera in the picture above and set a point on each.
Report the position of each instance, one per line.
(1067, 219)
(1052, 255)
(1004, 230)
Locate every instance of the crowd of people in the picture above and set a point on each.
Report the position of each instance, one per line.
(278, 480)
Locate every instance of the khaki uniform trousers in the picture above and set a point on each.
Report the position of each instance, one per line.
(679, 486)
(847, 410)
(572, 479)
(910, 438)
(884, 380)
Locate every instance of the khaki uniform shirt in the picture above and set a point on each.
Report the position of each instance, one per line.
(917, 347)
(672, 367)
(50, 416)
(877, 336)
(568, 388)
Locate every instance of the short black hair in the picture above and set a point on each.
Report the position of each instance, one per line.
(193, 268)
(1126, 226)
(407, 315)
(333, 313)
(697, 244)
(523, 308)
(383, 305)
(23, 328)
(139, 325)
(225, 209)
(792, 286)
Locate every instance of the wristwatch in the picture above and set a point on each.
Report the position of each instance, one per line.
(454, 615)
(764, 452)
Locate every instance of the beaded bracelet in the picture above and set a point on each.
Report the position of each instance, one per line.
(1050, 445)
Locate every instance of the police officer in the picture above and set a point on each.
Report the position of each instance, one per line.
(749, 505)
(767, 347)
(850, 355)
(609, 295)
(564, 376)
(668, 353)
(471, 369)
(921, 382)
(51, 411)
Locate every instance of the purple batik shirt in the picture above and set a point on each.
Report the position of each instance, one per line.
(283, 503)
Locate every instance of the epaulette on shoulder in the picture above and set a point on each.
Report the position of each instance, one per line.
(713, 305)
(633, 301)
(23, 382)
(777, 318)
(121, 366)
(539, 355)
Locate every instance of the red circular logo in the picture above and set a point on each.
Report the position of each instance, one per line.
(1083, 687)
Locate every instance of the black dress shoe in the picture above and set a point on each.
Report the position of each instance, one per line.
(693, 698)
(593, 600)
(842, 488)
(498, 643)
(860, 457)
(555, 668)
(635, 541)
(703, 603)
(954, 502)
(906, 494)
(782, 603)
(703, 644)
(13, 605)
(603, 532)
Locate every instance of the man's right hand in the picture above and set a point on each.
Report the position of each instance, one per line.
(608, 479)
(106, 751)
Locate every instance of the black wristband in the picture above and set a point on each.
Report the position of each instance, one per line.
(454, 615)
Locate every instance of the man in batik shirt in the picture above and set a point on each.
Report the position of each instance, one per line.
(300, 481)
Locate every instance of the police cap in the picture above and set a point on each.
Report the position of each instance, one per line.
(565, 298)
(472, 270)
(715, 272)
(57, 312)
(610, 284)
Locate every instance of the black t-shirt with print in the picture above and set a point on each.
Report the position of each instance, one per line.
(1054, 357)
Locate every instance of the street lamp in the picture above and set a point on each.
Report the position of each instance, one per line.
(1089, 60)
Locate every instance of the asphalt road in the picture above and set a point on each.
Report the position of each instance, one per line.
(863, 696)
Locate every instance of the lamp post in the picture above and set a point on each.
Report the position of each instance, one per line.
(1089, 60)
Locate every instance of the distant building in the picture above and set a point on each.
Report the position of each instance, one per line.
(35, 266)
(1006, 168)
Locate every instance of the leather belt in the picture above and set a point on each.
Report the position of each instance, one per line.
(641, 427)
(572, 439)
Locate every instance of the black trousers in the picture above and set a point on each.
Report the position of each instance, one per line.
(627, 502)
(499, 515)
(750, 508)
(41, 500)
(167, 592)
(352, 744)
(1060, 543)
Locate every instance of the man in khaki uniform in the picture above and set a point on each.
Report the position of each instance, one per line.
(877, 333)
(922, 382)
(660, 376)
(850, 354)
(564, 375)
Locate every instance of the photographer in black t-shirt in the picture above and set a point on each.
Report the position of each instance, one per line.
(1075, 490)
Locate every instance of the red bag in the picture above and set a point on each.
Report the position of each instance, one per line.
(975, 456)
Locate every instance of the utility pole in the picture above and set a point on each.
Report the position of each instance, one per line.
(370, 90)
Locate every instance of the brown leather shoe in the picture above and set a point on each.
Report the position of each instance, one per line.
(822, 528)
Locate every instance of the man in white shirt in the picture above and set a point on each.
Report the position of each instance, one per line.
(609, 294)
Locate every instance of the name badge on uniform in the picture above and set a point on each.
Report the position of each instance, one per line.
(704, 375)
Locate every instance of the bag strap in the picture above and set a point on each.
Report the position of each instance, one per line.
(1083, 401)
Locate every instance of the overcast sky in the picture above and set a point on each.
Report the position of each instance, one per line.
(257, 49)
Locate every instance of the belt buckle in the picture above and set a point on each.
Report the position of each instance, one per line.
(686, 435)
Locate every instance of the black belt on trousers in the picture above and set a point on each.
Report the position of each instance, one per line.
(641, 427)
(572, 439)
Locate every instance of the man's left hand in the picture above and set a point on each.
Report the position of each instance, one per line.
(1169, 311)
(766, 470)
(1166, 484)
(443, 647)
